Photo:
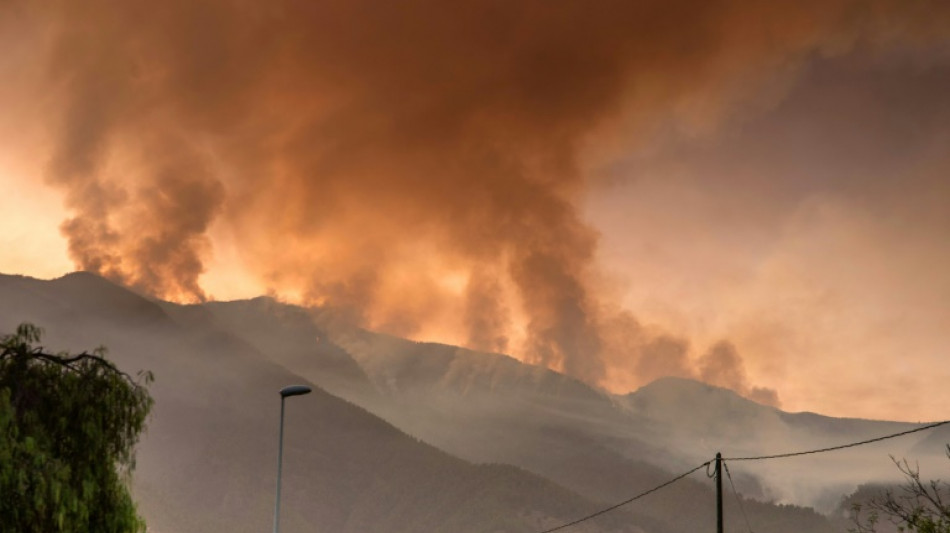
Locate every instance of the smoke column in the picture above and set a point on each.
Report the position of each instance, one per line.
(405, 161)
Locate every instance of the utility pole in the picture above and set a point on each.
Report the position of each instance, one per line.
(718, 492)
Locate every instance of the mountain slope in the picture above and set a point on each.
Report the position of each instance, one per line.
(692, 411)
(211, 444)
(206, 463)
(283, 333)
(490, 407)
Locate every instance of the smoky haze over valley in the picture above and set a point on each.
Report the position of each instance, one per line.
(749, 194)
(401, 436)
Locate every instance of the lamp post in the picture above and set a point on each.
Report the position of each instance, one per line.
(293, 390)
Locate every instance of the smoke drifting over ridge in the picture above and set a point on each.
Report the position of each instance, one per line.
(406, 162)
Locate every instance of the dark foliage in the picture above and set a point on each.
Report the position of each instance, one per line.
(68, 429)
(917, 505)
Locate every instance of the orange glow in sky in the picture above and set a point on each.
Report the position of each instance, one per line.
(754, 195)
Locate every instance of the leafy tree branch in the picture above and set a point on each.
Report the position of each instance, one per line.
(917, 506)
(68, 429)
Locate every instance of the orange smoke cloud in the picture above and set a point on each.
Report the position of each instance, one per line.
(362, 151)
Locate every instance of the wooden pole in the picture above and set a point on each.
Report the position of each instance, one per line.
(718, 492)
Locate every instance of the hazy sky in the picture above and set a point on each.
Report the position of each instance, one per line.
(756, 194)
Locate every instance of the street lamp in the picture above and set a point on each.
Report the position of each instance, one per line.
(293, 390)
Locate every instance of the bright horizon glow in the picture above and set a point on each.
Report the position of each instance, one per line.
(29, 235)
(33, 237)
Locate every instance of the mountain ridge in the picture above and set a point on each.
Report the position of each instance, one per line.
(198, 463)
(481, 408)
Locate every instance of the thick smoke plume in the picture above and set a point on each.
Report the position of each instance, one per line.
(407, 161)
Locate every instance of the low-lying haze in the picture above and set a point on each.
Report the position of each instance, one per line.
(748, 193)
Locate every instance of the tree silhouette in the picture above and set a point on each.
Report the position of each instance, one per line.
(917, 505)
(68, 429)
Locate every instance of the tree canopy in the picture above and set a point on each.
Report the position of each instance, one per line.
(917, 506)
(68, 429)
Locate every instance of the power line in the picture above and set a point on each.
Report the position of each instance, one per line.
(753, 458)
(841, 447)
(738, 500)
(625, 502)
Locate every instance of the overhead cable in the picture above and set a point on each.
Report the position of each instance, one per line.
(738, 499)
(841, 447)
(751, 458)
(625, 502)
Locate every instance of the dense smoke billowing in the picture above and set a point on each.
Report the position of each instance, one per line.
(406, 161)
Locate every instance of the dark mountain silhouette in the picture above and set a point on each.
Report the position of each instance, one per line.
(490, 407)
(207, 463)
(717, 419)
(285, 333)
